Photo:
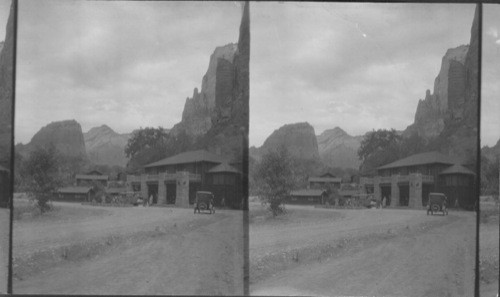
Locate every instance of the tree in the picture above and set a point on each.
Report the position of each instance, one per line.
(275, 179)
(378, 148)
(40, 174)
(145, 138)
(377, 141)
(489, 176)
(152, 144)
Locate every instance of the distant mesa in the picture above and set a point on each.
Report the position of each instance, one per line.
(299, 139)
(65, 136)
(106, 147)
(339, 149)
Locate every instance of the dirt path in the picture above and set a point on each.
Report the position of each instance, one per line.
(28, 237)
(429, 258)
(190, 254)
(4, 248)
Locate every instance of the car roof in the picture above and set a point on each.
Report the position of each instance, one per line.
(437, 194)
(204, 192)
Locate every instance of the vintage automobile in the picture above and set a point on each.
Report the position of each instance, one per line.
(204, 201)
(437, 203)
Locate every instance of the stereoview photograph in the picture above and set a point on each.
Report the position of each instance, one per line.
(490, 153)
(6, 100)
(363, 149)
(131, 123)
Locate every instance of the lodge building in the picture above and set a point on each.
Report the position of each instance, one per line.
(175, 180)
(408, 181)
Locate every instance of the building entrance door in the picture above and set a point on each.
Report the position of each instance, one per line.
(171, 192)
(385, 191)
(404, 195)
(153, 191)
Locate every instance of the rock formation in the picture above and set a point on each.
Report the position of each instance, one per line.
(299, 139)
(106, 147)
(442, 104)
(339, 149)
(65, 136)
(197, 113)
(228, 129)
(6, 91)
(450, 113)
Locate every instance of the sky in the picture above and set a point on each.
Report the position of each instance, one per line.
(490, 92)
(4, 16)
(359, 66)
(124, 64)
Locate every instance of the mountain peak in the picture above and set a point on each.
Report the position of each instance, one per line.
(335, 132)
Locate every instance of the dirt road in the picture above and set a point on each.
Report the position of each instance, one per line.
(4, 248)
(368, 252)
(161, 251)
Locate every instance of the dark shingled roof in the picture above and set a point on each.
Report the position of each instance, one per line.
(457, 169)
(74, 190)
(116, 190)
(224, 167)
(421, 159)
(307, 192)
(91, 177)
(325, 179)
(189, 157)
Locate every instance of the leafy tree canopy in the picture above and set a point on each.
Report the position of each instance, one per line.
(274, 178)
(40, 173)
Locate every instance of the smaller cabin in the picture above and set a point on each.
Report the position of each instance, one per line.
(75, 194)
(308, 196)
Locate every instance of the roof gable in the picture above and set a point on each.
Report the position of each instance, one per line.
(74, 190)
(457, 169)
(307, 192)
(91, 177)
(325, 179)
(189, 157)
(224, 167)
(421, 159)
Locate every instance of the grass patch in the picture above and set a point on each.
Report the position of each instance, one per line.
(42, 260)
(26, 211)
(261, 216)
(283, 259)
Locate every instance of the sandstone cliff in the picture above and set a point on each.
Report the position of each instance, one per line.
(449, 115)
(106, 147)
(65, 136)
(339, 149)
(197, 113)
(228, 132)
(441, 105)
(299, 139)
(6, 91)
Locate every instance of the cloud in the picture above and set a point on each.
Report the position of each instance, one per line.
(354, 65)
(490, 92)
(122, 63)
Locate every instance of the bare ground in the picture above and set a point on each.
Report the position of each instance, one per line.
(489, 249)
(389, 252)
(4, 248)
(131, 251)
